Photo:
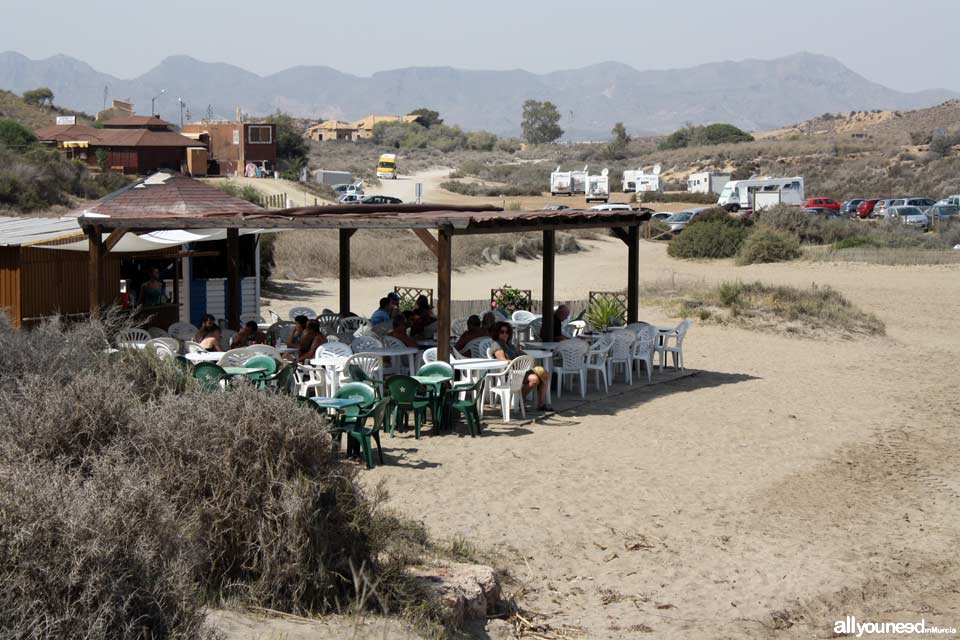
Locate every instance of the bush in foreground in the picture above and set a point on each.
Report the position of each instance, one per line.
(710, 239)
(767, 245)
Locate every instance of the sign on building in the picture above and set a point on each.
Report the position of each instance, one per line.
(66, 120)
(236, 136)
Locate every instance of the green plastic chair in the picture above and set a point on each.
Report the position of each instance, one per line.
(403, 395)
(211, 376)
(468, 407)
(264, 362)
(362, 435)
(349, 417)
(436, 369)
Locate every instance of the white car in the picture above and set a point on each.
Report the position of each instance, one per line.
(911, 216)
(661, 215)
(611, 206)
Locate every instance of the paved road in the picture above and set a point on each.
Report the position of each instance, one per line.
(404, 187)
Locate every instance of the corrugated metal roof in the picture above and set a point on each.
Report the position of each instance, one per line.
(24, 231)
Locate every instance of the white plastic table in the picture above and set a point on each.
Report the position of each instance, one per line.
(332, 365)
(546, 357)
(204, 356)
(396, 352)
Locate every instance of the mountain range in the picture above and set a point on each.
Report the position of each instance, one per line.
(752, 94)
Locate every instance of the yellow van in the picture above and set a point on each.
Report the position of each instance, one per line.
(387, 166)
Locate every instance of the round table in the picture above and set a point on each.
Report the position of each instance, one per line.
(396, 352)
(546, 357)
(204, 356)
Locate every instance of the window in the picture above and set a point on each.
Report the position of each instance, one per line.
(260, 134)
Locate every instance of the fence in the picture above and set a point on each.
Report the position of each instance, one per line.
(616, 297)
(409, 295)
(279, 201)
(465, 308)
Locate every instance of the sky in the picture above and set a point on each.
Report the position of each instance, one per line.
(906, 45)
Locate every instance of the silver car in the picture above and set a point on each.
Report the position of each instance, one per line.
(911, 216)
(921, 203)
(679, 221)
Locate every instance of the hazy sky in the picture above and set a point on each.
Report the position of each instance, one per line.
(904, 44)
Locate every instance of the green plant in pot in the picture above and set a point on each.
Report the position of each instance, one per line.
(604, 313)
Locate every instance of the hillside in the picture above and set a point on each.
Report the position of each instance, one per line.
(752, 94)
(13, 107)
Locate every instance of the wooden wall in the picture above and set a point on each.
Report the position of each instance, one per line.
(53, 281)
(10, 283)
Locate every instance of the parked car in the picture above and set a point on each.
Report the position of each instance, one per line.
(555, 207)
(954, 200)
(660, 215)
(350, 198)
(826, 212)
(943, 212)
(880, 208)
(611, 206)
(341, 189)
(866, 207)
(682, 219)
(381, 200)
(921, 203)
(911, 216)
(822, 203)
(849, 208)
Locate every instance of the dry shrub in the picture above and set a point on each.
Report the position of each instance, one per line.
(711, 239)
(767, 245)
(92, 559)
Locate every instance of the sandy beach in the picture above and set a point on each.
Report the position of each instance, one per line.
(789, 483)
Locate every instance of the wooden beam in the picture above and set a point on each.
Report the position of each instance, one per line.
(621, 233)
(345, 269)
(633, 273)
(95, 269)
(549, 255)
(428, 240)
(233, 279)
(115, 236)
(444, 274)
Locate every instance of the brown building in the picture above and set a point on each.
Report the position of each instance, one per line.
(237, 148)
(134, 145)
(352, 131)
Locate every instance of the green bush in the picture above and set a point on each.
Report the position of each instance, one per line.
(712, 239)
(695, 136)
(15, 135)
(768, 245)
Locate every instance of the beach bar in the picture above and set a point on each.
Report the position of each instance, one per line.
(434, 225)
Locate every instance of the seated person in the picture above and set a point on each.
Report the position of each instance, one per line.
(299, 326)
(559, 317)
(382, 314)
(210, 339)
(474, 330)
(394, 304)
(422, 317)
(207, 322)
(310, 342)
(400, 331)
(536, 378)
(249, 334)
(488, 322)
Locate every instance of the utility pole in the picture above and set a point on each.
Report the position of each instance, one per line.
(153, 102)
(180, 100)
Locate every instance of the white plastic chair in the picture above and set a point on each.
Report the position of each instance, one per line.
(507, 388)
(130, 336)
(573, 361)
(643, 349)
(522, 315)
(430, 355)
(396, 363)
(274, 317)
(329, 323)
(169, 344)
(301, 311)
(664, 348)
(458, 327)
(351, 324)
(573, 328)
(157, 332)
(234, 358)
(478, 347)
(365, 343)
(621, 353)
(307, 378)
(189, 346)
(597, 361)
(371, 364)
(266, 350)
(334, 349)
(182, 331)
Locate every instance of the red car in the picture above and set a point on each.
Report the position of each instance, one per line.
(822, 203)
(866, 207)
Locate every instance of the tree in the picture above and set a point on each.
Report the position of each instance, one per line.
(15, 135)
(540, 123)
(617, 147)
(693, 136)
(428, 117)
(38, 97)
(290, 143)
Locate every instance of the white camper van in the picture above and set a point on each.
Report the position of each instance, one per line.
(707, 182)
(578, 180)
(640, 182)
(561, 183)
(598, 187)
(739, 194)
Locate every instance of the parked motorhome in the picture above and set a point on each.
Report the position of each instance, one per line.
(561, 183)
(578, 180)
(739, 194)
(707, 182)
(598, 187)
(330, 178)
(640, 182)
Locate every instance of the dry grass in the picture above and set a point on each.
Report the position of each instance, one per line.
(813, 312)
(882, 255)
(316, 254)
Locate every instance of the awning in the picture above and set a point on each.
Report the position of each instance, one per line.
(76, 144)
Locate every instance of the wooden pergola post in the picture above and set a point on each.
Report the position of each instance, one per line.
(549, 255)
(233, 278)
(345, 270)
(95, 282)
(444, 274)
(633, 272)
